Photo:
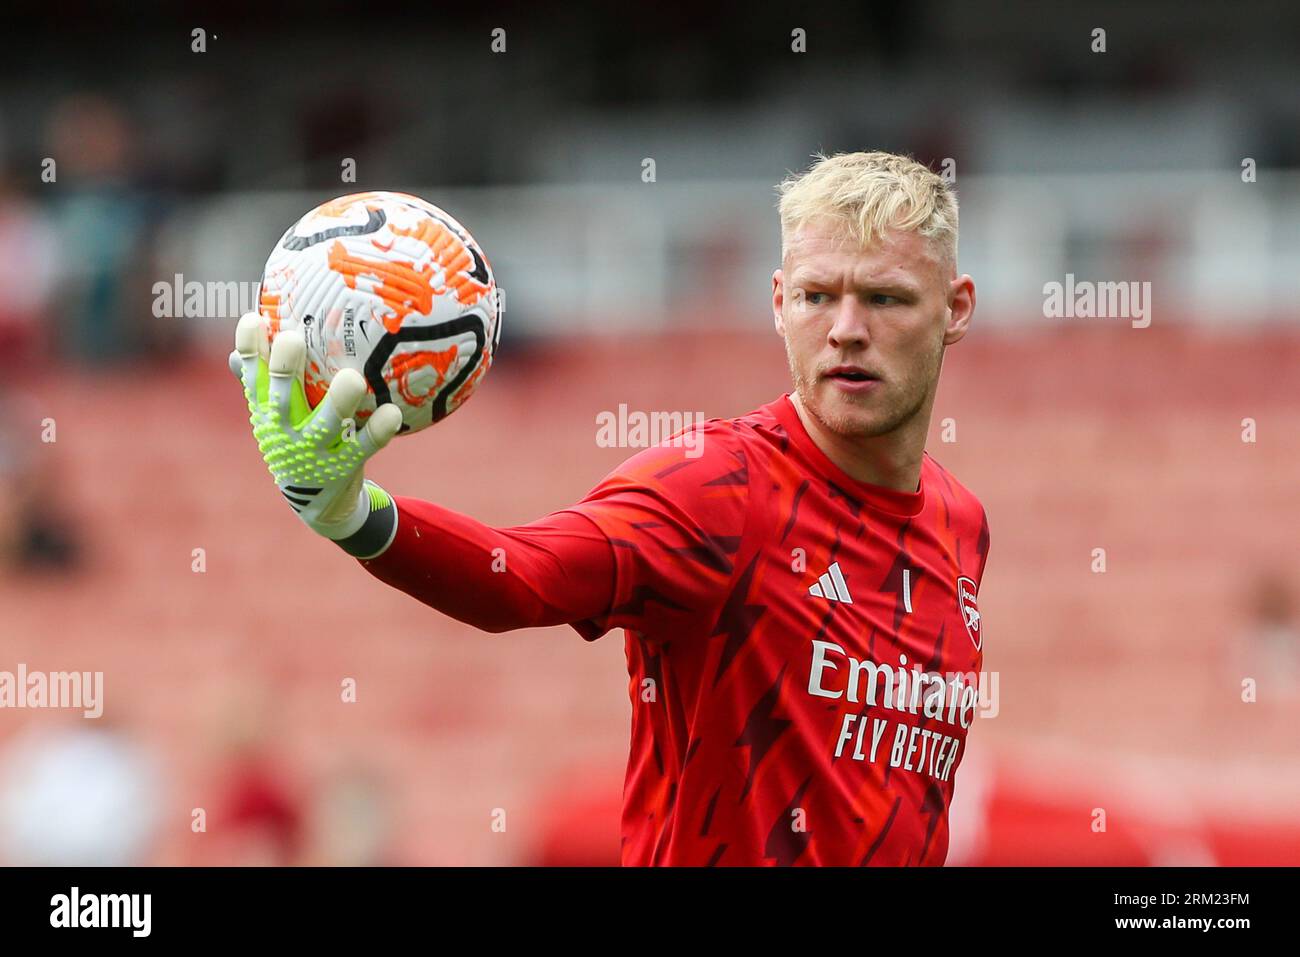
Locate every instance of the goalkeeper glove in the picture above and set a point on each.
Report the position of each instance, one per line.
(317, 457)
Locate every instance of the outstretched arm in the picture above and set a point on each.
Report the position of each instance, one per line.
(653, 548)
(556, 570)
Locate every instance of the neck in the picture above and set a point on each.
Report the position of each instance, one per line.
(892, 461)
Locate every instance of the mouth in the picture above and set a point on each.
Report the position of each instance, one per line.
(851, 374)
(852, 380)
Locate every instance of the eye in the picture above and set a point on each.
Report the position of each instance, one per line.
(815, 298)
(883, 299)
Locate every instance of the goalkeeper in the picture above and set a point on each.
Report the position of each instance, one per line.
(793, 590)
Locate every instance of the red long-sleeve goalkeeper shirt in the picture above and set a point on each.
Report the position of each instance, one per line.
(802, 647)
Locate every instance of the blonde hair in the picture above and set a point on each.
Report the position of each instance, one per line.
(869, 193)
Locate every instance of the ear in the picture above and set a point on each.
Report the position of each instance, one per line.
(778, 300)
(961, 307)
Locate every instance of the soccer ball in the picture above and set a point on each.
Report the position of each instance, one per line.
(392, 286)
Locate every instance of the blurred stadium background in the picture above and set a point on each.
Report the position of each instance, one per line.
(1119, 691)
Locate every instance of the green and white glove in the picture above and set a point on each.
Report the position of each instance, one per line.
(317, 457)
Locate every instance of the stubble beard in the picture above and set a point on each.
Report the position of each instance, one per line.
(906, 401)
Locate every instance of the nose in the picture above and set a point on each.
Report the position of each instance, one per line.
(849, 326)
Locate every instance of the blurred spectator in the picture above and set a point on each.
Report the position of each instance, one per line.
(257, 816)
(35, 533)
(350, 821)
(27, 265)
(87, 794)
(100, 222)
(258, 819)
(1269, 647)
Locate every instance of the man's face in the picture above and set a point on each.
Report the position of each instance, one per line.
(865, 328)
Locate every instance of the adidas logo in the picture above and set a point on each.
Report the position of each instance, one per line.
(832, 586)
(296, 501)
